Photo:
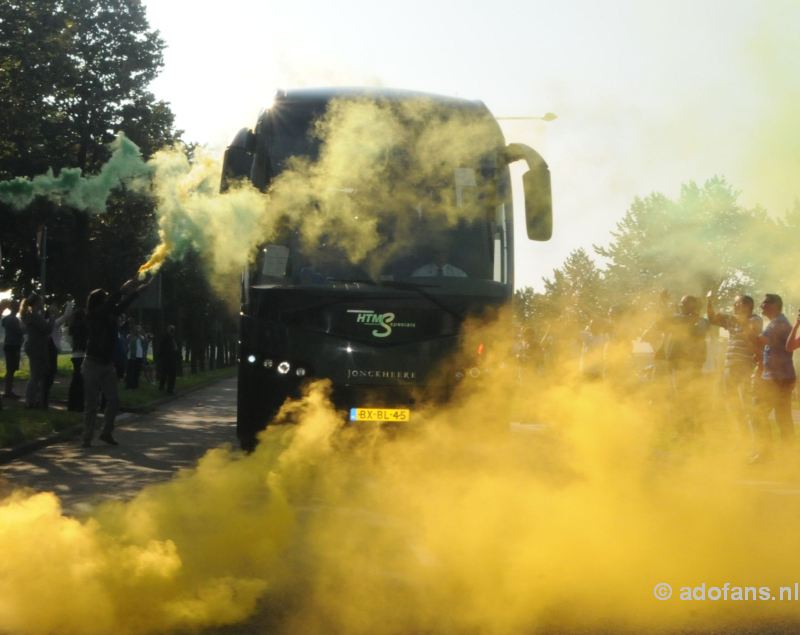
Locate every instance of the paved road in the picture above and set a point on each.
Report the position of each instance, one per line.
(152, 448)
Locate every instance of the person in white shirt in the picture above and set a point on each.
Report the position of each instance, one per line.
(53, 349)
(136, 348)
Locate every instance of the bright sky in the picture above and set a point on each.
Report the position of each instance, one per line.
(649, 94)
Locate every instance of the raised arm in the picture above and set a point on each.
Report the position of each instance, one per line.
(135, 285)
(69, 307)
(793, 341)
(130, 290)
(717, 319)
(710, 306)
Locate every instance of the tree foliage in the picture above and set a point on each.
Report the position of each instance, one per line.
(573, 298)
(576, 289)
(703, 240)
(685, 246)
(72, 74)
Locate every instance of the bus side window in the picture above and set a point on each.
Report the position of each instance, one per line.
(274, 259)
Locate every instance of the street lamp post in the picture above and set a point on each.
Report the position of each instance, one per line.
(548, 116)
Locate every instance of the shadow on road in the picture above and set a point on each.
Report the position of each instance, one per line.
(152, 448)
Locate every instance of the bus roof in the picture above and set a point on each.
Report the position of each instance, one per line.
(325, 94)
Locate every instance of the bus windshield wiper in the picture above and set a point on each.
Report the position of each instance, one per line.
(408, 285)
(353, 281)
(383, 283)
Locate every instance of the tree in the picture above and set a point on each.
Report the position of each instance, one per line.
(72, 74)
(575, 293)
(703, 240)
(769, 246)
(203, 322)
(32, 62)
(573, 299)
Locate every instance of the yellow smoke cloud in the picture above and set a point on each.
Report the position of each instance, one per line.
(151, 565)
(158, 257)
(456, 524)
(382, 163)
(459, 523)
(379, 164)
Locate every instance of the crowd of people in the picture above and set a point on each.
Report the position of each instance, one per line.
(756, 380)
(757, 377)
(108, 348)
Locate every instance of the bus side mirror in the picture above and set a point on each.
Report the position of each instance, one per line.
(238, 159)
(538, 193)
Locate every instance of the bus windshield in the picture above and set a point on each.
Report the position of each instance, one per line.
(436, 206)
(449, 257)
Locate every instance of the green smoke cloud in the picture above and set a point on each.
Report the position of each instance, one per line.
(70, 187)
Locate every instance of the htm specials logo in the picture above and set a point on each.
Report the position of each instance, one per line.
(384, 322)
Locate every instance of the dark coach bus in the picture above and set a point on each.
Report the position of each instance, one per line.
(379, 325)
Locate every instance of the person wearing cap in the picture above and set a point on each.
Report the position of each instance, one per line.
(774, 384)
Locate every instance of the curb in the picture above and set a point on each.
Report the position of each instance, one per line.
(27, 447)
(153, 405)
(9, 454)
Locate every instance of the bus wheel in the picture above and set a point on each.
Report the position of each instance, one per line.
(248, 443)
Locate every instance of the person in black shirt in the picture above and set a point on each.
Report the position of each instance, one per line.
(102, 314)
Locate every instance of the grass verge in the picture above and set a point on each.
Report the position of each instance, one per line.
(18, 424)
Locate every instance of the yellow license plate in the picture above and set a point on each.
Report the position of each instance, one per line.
(380, 414)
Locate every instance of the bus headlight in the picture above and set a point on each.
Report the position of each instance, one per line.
(300, 371)
(284, 368)
(251, 359)
(474, 372)
(268, 363)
